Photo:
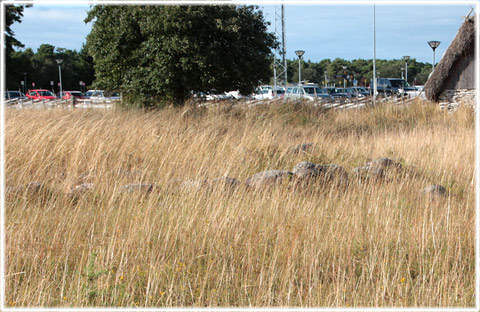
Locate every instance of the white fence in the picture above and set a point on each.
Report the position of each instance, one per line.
(45, 104)
(341, 103)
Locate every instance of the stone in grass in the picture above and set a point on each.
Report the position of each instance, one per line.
(333, 172)
(27, 189)
(137, 187)
(305, 171)
(384, 163)
(227, 183)
(80, 189)
(301, 148)
(268, 178)
(192, 185)
(434, 191)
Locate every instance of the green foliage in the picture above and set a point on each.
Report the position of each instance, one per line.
(42, 68)
(172, 52)
(91, 290)
(13, 14)
(361, 69)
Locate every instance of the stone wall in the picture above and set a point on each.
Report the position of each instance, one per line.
(452, 99)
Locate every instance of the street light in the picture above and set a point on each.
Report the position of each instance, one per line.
(344, 73)
(299, 53)
(59, 62)
(406, 58)
(326, 78)
(433, 45)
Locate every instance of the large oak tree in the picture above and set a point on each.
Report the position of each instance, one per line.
(171, 52)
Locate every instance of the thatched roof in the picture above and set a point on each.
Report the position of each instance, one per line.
(462, 45)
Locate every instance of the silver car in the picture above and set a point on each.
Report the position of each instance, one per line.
(308, 92)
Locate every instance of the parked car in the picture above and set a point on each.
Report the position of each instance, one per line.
(102, 95)
(416, 91)
(234, 94)
(336, 93)
(67, 95)
(265, 87)
(41, 94)
(358, 92)
(94, 94)
(13, 95)
(268, 94)
(344, 91)
(393, 86)
(308, 92)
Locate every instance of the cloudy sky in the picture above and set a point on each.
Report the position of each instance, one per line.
(322, 30)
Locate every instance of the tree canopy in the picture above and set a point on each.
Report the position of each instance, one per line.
(171, 52)
(13, 14)
(41, 68)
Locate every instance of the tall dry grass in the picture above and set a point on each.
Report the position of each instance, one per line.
(369, 244)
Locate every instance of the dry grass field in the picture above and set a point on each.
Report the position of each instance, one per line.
(364, 244)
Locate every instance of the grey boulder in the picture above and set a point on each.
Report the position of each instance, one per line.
(80, 189)
(137, 187)
(384, 163)
(268, 178)
(434, 190)
(305, 171)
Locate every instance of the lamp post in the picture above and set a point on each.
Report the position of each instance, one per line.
(299, 53)
(406, 58)
(344, 73)
(59, 62)
(326, 78)
(433, 45)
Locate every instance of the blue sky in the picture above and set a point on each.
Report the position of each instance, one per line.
(323, 31)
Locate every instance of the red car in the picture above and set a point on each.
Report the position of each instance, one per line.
(67, 95)
(41, 94)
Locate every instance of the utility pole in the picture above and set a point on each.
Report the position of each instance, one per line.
(280, 54)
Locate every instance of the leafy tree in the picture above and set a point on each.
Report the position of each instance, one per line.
(171, 52)
(45, 67)
(360, 69)
(42, 68)
(13, 14)
(22, 62)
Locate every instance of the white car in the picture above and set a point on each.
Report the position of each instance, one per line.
(417, 90)
(268, 94)
(95, 94)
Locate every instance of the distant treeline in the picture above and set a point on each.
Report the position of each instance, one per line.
(360, 69)
(41, 68)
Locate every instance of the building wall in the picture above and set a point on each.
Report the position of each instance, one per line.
(452, 99)
(462, 74)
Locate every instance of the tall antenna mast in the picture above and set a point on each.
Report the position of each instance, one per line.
(280, 55)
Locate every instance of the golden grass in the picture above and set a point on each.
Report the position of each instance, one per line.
(369, 244)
